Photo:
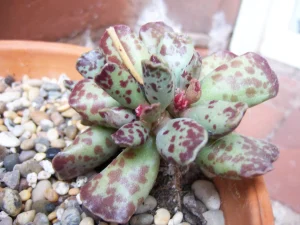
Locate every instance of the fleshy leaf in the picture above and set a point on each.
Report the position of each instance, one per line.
(235, 156)
(158, 83)
(192, 70)
(180, 140)
(88, 99)
(116, 116)
(89, 150)
(116, 192)
(131, 134)
(120, 85)
(90, 64)
(133, 47)
(176, 50)
(149, 113)
(151, 33)
(247, 78)
(211, 62)
(217, 117)
(193, 92)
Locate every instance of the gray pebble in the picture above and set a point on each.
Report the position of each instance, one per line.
(41, 206)
(141, 219)
(192, 219)
(11, 202)
(42, 140)
(18, 130)
(48, 86)
(40, 147)
(196, 207)
(214, 217)
(52, 95)
(3, 86)
(41, 219)
(10, 96)
(12, 179)
(23, 184)
(28, 166)
(25, 218)
(3, 152)
(10, 161)
(149, 204)
(71, 216)
(43, 93)
(46, 124)
(2, 107)
(6, 221)
(38, 102)
(25, 155)
(18, 104)
(39, 190)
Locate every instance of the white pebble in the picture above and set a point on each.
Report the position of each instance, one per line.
(43, 175)
(7, 139)
(39, 156)
(30, 126)
(47, 166)
(61, 187)
(31, 179)
(214, 217)
(206, 192)
(176, 219)
(78, 199)
(59, 213)
(52, 134)
(40, 147)
(3, 215)
(80, 181)
(162, 216)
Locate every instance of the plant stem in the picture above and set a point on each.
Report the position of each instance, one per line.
(178, 184)
(126, 60)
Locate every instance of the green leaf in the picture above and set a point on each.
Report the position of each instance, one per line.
(89, 150)
(247, 78)
(90, 64)
(120, 85)
(116, 192)
(158, 83)
(235, 156)
(180, 140)
(211, 62)
(131, 134)
(217, 117)
(116, 116)
(151, 33)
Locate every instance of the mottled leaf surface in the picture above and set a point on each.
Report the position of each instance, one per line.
(151, 33)
(88, 99)
(116, 192)
(211, 62)
(133, 46)
(131, 134)
(116, 116)
(149, 113)
(176, 50)
(158, 83)
(247, 78)
(89, 150)
(180, 140)
(90, 64)
(217, 117)
(235, 156)
(120, 85)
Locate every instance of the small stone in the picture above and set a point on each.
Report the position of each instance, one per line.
(52, 216)
(32, 179)
(26, 135)
(41, 219)
(10, 115)
(78, 199)
(73, 191)
(149, 204)
(57, 118)
(25, 195)
(23, 184)
(52, 134)
(33, 93)
(51, 152)
(27, 144)
(43, 206)
(196, 207)
(40, 147)
(46, 124)
(3, 128)
(177, 218)
(87, 221)
(12, 179)
(38, 191)
(185, 223)
(40, 156)
(51, 195)
(30, 126)
(206, 192)
(42, 140)
(214, 217)
(162, 216)
(6, 221)
(38, 116)
(59, 213)
(192, 219)
(71, 216)
(47, 166)
(50, 86)
(10, 96)
(18, 130)
(44, 175)
(61, 187)
(7, 139)
(10, 161)
(25, 217)
(141, 219)
(52, 95)
(9, 79)
(71, 132)
(2, 107)
(28, 205)
(58, 143)
(18, 104)
(34, 82)
(27, 167)
(3, 86)
(11, 202)
(69, 113)
(17, 120)
(63, 107)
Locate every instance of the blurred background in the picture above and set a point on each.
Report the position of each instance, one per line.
(268, 27)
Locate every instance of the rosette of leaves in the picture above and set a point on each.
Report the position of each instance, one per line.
(151, 95)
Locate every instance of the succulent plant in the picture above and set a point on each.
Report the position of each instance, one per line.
(151, 95)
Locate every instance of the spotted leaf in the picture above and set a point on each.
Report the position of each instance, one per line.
(88, 99)
(217, 117)
(176, 50)
(90, 64)
(116, 116)
(235, 156)
(149, 113)
(158, 83)
(131, 134)
(211, 62)
(120, 85)
(89, 150)
(247, 78)
(116, 192)
(191, 71)
(133, 47)
(180, 140)
(151, 33)
(193, 92)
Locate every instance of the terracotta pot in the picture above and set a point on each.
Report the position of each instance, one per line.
(244, 202)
